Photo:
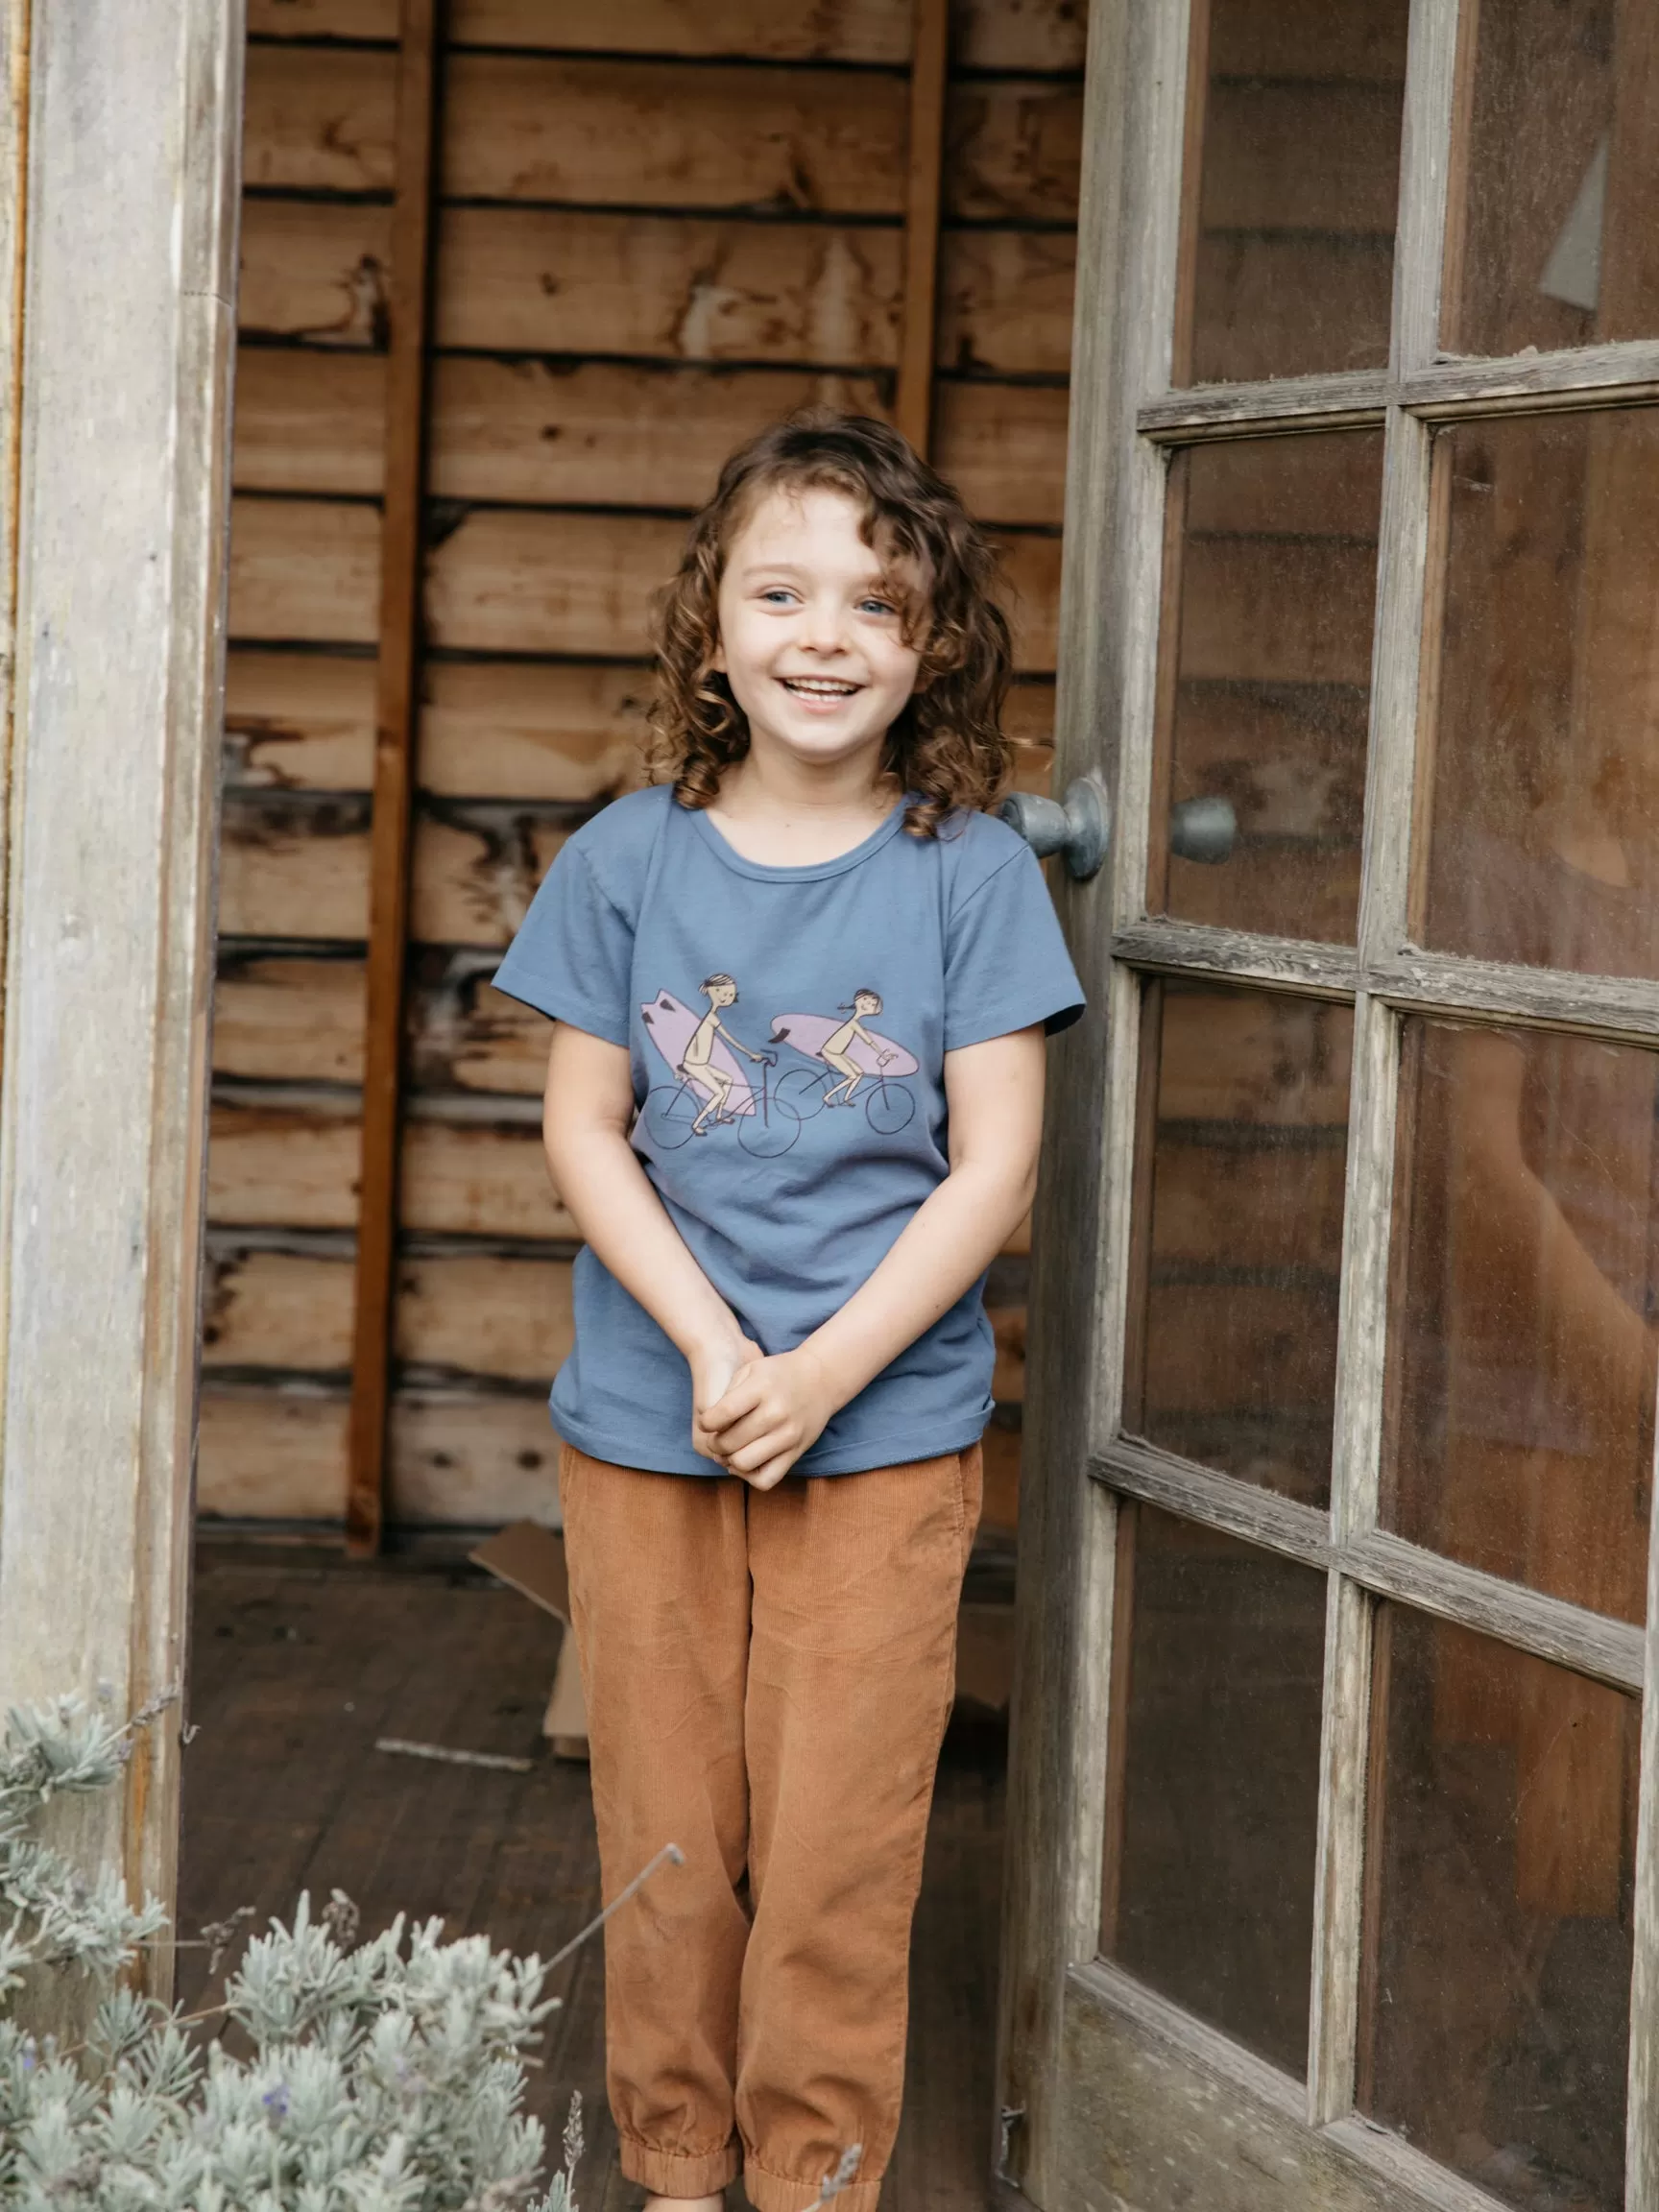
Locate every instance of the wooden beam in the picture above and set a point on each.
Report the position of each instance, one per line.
(913, 410)
(396, 711)
(134, 123)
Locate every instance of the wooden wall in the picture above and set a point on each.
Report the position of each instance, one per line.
(662, 226)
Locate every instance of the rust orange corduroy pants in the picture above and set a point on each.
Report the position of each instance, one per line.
(768, 1677)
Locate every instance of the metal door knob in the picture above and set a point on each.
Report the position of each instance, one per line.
(1079, 828)
(1203, 829)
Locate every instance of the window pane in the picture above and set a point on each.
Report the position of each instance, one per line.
(1497, 1953)
(1561, 162)
(1541, 842)
(1522, 1359)
(1298, 166)
(1239, 1231)
(1210, 1887)
(1270, 592)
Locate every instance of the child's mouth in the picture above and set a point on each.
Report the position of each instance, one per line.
(819, 690)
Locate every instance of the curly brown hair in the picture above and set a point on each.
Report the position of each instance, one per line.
(948, 744)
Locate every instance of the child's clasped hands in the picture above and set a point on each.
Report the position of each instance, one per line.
(756, 1414)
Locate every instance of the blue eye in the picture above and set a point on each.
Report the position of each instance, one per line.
(776, 596)
(878, 606)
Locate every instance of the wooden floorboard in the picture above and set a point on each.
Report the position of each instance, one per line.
(299, 1661)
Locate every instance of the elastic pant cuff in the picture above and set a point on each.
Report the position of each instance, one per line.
(773, 2193)
(682, 2173)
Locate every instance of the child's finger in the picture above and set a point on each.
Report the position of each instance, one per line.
(769, 1476)
(752, 1427)
(749, 1458)
(741, 1396)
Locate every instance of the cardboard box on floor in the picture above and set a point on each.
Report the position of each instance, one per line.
(531, 1559)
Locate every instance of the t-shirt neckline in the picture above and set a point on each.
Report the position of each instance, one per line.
(759, 872)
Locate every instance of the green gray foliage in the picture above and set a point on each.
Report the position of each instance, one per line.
(377, 2076)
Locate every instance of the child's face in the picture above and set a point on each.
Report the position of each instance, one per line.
(812, 641)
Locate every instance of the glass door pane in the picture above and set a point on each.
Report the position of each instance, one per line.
(1495, 1993)
(1239, 1231)
(1525, 1284)
(1539, 833)
(1553, 239)
(1215, 1783)
(1292, 183)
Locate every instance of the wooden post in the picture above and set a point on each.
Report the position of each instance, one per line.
(913, 409)
(127, 339)
(397, 710)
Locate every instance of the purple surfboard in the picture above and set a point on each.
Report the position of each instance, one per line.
(809, 1033)
(671, 1027)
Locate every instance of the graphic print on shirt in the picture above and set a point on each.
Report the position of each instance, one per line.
(870, 1067)
(853, 1066)
(701, 1051)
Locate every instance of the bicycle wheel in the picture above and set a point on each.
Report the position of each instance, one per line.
(802, 1091)
(669, 1112)
(768, 1133)
(889, 1106)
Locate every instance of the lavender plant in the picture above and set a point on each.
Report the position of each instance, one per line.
(378, 2076)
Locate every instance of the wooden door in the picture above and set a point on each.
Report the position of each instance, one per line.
(1334, 1876)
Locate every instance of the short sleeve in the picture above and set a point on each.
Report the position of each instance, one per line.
(572, 957)
(1007, 966)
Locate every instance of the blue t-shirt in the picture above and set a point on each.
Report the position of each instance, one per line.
(787, 1028)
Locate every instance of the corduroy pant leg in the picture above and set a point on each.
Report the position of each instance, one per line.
(660, 1603)
(857, 1580)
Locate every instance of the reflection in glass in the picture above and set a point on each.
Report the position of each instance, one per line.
(1541, 841)
(1269, 607)
(1522, 1368)
(1497, 1953)
(1239, 1231)
(1552, 239)
(1210, 1878)
(1297, 150)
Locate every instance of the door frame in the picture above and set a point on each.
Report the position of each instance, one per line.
(120, 156)
(1100, 2080)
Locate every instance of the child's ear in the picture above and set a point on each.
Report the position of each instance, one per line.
(717, 659)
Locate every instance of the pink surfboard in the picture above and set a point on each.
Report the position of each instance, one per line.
(671, 1027)
(809, 1033)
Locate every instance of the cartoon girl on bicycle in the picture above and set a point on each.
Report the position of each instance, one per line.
(838, 1048)
(698, 1063)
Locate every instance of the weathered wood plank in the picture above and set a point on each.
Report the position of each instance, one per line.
(563, 733)
(614, 435)
(530, 281)
(1005, 301)
(989, 34)
(471, 1461)
(289, 1019)
(315, 269)
(305, 721)
(463, 1312)
(309, 422)
(688, 288)
(304, 569)
(320, 120)
(286, 1162)
(654, 134)
(301, 869)
(115, 443)
(529, 580)
(610, 434)
(1013, 153)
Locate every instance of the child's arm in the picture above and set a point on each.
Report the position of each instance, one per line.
(586, 1110)
(775, 1408)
